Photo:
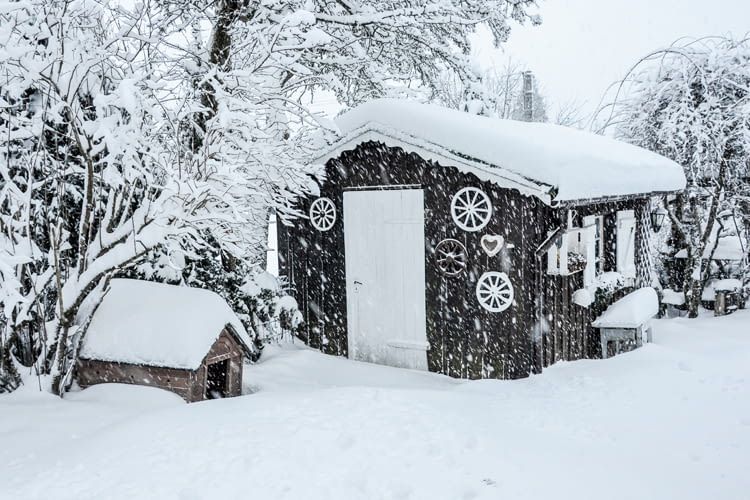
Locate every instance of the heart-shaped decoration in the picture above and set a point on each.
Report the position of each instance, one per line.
(492, 244)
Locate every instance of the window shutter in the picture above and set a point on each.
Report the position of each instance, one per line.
(589, 238)
(552, 265)
(626, 243)
(564, 254)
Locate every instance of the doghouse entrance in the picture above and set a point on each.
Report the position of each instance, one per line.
(216, 379)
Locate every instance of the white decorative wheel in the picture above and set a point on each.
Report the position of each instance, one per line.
(471, 209)
(494, 291)
(451, 257)
(322, 214)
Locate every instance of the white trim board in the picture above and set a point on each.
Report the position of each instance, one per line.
(434, 152)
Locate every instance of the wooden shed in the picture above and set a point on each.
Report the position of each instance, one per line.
(185, 340)
(469, 246)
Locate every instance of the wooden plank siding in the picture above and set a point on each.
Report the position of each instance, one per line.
(188, 384)
(541, 327)
(92, 371)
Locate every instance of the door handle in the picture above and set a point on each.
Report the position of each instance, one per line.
(357, 284)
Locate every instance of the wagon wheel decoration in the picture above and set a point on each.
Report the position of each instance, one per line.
(451, 257)
(322, 214)
(471, 209)
(494, 291)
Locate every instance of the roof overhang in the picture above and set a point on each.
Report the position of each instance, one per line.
(439, 154)
(613, 199)
(233, 332)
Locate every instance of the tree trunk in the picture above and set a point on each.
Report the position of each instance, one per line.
(697, 271)
(227, 12)
(9, 377)
(693, 288)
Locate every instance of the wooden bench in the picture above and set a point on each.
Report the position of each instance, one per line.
(627, 320)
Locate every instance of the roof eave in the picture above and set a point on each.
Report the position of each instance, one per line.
(485, 171)
(144, 364)
(439, 154)
(612, 198)
(233, 331)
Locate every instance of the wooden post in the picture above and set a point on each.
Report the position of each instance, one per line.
(720, 303)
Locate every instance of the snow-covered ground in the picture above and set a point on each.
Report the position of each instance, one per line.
(668, 421)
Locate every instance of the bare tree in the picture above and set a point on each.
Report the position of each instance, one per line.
(499, 92)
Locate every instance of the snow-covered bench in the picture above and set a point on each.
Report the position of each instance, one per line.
(673, 303)
(628, 319)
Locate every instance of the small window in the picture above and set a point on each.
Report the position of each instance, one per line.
(579, 249)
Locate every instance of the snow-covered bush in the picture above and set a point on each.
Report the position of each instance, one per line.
(606, 289)
(274, 314)
(95, 178)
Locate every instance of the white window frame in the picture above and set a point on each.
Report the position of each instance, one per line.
(557, 256)
(596, 223)
(588, 241)
(626, 230)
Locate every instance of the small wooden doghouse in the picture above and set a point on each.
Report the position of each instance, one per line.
(455, 243)
(185, 340)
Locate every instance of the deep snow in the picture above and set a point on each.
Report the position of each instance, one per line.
(668, 421)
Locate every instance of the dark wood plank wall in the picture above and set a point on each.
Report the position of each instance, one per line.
(188, 384)
(91, 372)
(465, 340)
(226, 347)
(567, 333)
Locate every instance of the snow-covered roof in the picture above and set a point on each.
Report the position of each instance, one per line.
(720, 285)
(535, 158)
(730, 247)
(673, 297)
(730, 284)
(631, 311)
(142, 322)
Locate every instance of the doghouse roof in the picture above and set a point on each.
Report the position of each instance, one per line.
(555, 163)
(154, 324)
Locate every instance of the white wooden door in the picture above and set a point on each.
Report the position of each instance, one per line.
(385, 283)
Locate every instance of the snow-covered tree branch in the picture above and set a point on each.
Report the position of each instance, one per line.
(153, 138)
(691, 103)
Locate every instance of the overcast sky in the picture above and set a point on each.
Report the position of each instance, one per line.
(585, 45)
